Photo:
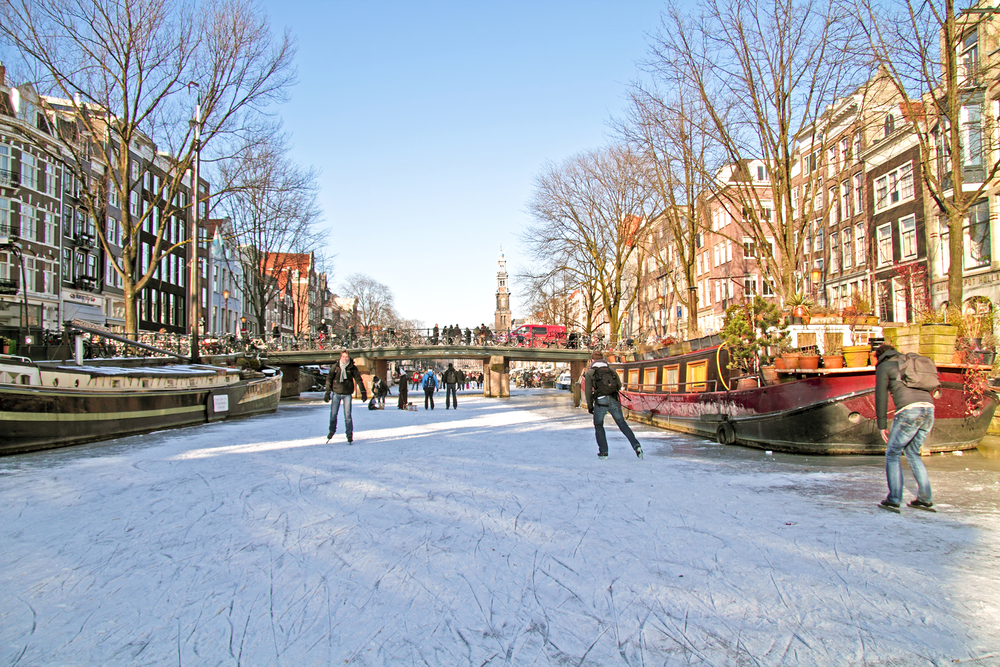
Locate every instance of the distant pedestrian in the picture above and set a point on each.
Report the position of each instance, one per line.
(416, 380)
(451, 378)
(430, 383)
(910, 427)
(601, 389)
(379, 391)
(340, 383)
(404, 382)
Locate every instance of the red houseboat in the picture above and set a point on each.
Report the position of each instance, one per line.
(804, 411)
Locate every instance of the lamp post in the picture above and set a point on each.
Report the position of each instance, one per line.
(816, 276)
(194, 274)
(225, 311)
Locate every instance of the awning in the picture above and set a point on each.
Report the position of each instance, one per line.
(83, 312)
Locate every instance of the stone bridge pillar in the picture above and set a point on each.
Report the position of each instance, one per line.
(289, 380)
(496, 377)
(576, 369)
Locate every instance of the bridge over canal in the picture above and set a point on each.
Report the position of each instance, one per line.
(373, 361)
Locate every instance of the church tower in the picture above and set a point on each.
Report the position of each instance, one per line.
(501, 319)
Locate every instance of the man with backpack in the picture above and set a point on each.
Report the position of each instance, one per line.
(430, 383)
(601, 387)
(910, 379)
(451, 378)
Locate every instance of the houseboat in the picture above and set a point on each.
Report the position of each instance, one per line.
(54, 404)
(803, 411)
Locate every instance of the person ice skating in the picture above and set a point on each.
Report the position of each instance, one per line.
(379, 391)
(601, 387)
(912, 423)
(340, 384)
(451, 379)
(404, 381)
(430, 383)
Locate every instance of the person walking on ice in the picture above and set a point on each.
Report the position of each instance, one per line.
(340, 385)
(911, 388)
(430, 384)
(601, 387)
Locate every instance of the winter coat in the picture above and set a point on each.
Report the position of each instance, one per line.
(379, 387)
(345, 388)
(887, 381)
(430, 380)
(404, 385)
(588, 387)
(451, 376)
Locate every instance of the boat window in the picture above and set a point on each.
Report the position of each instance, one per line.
(648, 379)
(633, 378)
(697, 373)
(671, 376)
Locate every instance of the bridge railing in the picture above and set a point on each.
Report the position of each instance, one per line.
(97, 346)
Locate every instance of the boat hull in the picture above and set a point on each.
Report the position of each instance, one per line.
(821, 414)
(34, 418)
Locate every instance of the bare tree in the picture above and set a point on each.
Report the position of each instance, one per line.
(590, 214)
(762, 71)
(941, 56)
(122, 74)
(374, 301)
(274, 213)
(668, 132)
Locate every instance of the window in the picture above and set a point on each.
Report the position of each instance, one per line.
(767, 287)
(749, 248)
(845, 200)
(29, 171)
(907, 238)
(760, 172)
(28, 230)
(4, 216)
(847, 252)
(50, 179)
(5, 175)
(113, 194)
(845, 151)
(67, 264)
(133, 203)
(890, 124)
(697, 372)
(834, 248)
(972, 135)
(831, 161)
(977, 236)
(835, 213)
(819, 242)
(859, 244)
(968, 58)
(729, 251)
(894, 187)
(750, 285)
(859, 202)
(47, 221)
(857, 147)
(884, 247)
(671, 377)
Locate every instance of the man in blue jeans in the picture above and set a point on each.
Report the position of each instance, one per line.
(601, 387)
(340, 383)
(910, 427)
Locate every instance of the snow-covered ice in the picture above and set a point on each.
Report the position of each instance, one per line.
(489, 535)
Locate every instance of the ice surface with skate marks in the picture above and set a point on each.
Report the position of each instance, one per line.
(489, 535)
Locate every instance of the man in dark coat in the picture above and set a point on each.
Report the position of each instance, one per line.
(913, 422)
(600, 404)
(340, 384)
(404, 381)
(451, 378)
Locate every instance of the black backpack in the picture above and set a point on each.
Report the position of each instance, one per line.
(918, 372)
(606, 382)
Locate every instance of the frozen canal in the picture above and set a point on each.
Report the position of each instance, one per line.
(488, 535)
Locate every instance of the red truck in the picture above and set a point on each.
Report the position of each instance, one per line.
(539, 335)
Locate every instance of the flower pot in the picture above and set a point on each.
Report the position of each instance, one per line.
(746, 383)
(770, 374)
(779, 363)
(809, 362)
(791, 360)
(833, 361)
(980, 357)
(856, 356)
(936, 341)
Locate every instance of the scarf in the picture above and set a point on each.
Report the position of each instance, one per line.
(343, 370)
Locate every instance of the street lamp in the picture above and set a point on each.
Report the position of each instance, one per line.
(816, 276)
(225, 311)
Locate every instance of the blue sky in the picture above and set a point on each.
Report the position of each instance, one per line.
(430, 120)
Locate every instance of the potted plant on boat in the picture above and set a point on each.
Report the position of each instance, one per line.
(800, 305)
(745, 332)
(4, 345)
(809, 358)
(833, 352)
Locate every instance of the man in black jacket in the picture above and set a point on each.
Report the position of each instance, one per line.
(910, 427)
(451, 378)
(340, 382)
(601, 403)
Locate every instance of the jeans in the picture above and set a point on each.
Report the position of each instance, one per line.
(429, 396)
(450, 394)
(909, 430)
(335, 408)
(602, 406)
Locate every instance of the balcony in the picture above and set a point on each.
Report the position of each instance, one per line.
(9, 179)
(9, 287)
(88, 283)
(83, 240)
